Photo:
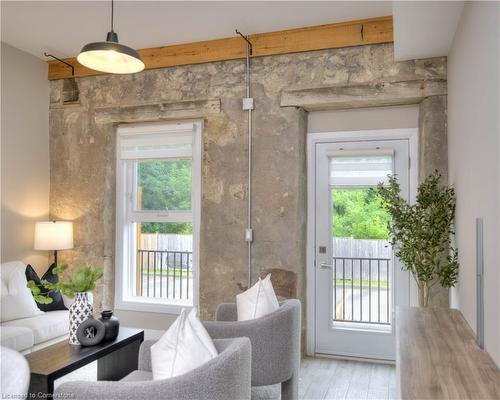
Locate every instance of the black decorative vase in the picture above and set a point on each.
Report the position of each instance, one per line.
(111, 324)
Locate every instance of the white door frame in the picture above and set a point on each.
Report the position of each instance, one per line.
(411, 134)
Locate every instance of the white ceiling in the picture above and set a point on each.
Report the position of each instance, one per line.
(421, 28)
(63, 27)
(424, 29)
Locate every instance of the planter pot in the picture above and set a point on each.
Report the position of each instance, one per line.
(79, 311)
(111, 324)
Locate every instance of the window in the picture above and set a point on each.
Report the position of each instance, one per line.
(157, 216)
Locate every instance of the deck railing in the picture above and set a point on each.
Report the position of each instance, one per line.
(165, 274)
(362, 290)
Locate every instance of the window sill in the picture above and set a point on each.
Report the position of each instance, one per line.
(152, 305)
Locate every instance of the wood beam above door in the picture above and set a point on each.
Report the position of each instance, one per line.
(330, 36)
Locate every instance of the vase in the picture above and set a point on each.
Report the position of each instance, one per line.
(79, 311)
(111, 324)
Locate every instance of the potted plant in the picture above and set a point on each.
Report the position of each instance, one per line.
(76, 285)
(421, 233)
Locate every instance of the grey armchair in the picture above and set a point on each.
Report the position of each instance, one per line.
(226, 377)
(275, 346)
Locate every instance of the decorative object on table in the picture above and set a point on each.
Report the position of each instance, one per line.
(54, 235)
(79, 311)
(90, 332)
(56, 296)
(421, 233)
(111, 324)
(81, 281)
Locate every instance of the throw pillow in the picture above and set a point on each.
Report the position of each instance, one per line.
(17, 301)
(183, 347)
(257, 301)
(57, 299)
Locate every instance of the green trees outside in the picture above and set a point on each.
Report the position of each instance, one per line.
(166, 185)
(358, 213)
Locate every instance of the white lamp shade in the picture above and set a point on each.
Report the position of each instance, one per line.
(53, 235)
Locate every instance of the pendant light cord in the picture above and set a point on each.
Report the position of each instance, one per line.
(112, 13)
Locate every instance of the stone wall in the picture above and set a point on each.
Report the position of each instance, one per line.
(82, 150)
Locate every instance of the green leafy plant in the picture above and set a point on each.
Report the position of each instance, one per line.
(82, 279)
(421, 233)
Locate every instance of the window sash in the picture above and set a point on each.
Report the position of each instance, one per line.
(133, 215)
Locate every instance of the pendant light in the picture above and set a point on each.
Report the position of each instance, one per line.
(111, 56)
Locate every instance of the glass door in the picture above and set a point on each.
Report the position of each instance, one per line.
(358, 281)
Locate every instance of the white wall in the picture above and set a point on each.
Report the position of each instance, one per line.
(473, 143)
(24, 154)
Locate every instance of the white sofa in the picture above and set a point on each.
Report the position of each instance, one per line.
(23, 326)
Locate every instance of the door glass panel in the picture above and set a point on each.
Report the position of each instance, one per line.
(361, 254)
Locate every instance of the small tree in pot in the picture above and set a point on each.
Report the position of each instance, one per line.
(421, 233)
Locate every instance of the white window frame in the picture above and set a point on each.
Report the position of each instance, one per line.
(124, 300)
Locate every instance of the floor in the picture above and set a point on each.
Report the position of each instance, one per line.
(321, 378)
(324, 378)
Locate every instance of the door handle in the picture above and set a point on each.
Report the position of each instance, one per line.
(324, 265)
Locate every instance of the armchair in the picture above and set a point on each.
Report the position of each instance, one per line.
(275, 342)
(226, 377)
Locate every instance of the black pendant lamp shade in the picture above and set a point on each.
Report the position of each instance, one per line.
(110, 56)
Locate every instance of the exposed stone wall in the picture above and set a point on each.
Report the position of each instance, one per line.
(82, 149)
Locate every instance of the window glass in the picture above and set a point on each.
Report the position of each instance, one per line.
(164, 185)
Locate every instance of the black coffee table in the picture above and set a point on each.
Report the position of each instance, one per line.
(115, 359)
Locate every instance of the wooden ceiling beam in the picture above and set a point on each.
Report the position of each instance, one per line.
(330, 36)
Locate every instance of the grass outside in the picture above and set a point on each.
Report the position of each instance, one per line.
(361, 283)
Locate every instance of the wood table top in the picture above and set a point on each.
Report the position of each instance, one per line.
(62, 358)
(438, 358)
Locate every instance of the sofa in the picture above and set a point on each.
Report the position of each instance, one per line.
(225, 377)
(23, 326)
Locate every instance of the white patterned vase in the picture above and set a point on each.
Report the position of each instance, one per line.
(79, 311)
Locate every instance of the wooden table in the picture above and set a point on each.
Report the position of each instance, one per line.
(437, 357)
(115, 360)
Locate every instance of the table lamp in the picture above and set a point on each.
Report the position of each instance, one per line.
(54, 235)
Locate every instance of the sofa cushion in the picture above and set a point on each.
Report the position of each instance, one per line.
(49, 276)
(45, 327)
(17, 300)
(16, 337)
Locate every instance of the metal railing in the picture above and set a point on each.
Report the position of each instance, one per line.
(362, 290)
(165, 274)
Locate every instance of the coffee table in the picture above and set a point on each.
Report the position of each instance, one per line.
(115, 360)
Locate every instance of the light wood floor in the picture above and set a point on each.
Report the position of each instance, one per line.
(320, 378)
(324, 378)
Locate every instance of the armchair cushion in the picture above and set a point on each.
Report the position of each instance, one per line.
(183, 347)
(257, 301)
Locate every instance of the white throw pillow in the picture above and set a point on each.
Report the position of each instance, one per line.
(17, 300)
(183, 347)
(257, 301)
